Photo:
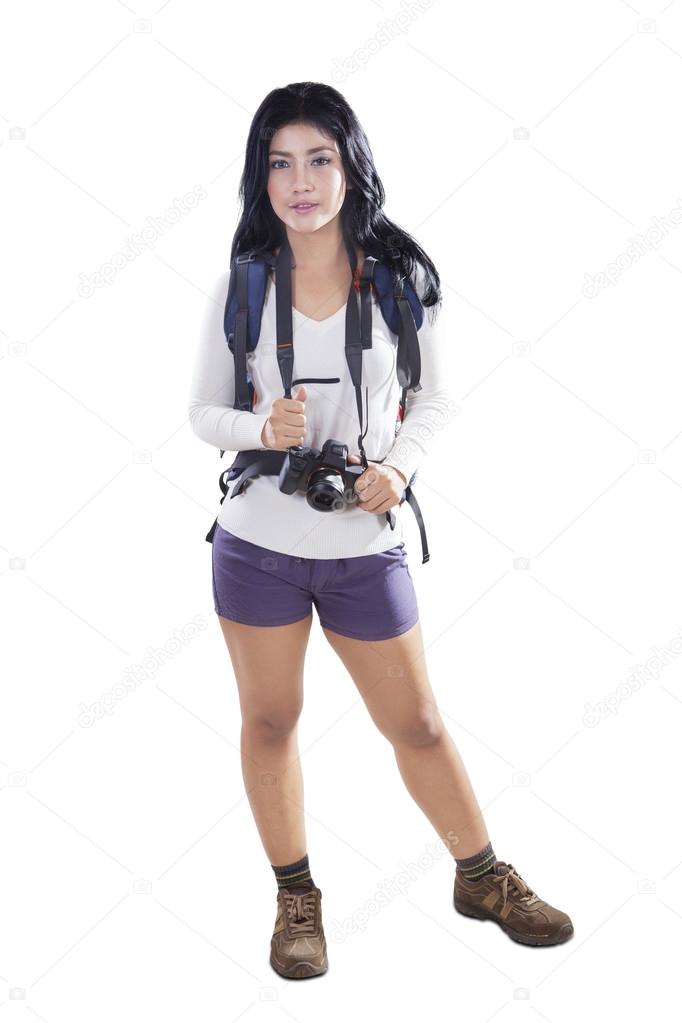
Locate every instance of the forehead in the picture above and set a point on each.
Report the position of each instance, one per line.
(301, 138)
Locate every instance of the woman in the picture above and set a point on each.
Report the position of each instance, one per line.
(309, 183)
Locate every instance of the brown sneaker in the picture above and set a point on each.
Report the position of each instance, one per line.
(504, 897)
(298, 947)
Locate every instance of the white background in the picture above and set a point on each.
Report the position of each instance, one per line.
(524, 145)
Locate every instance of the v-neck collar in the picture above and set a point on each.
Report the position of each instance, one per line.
(309, 319)
(318, 323)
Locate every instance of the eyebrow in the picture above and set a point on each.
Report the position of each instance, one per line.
(317, 149)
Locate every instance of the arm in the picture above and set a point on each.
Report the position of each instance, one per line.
(211, 397)
(426, 411)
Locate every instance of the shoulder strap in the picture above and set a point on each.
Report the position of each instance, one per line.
(400, 307)
(389, 296)
(404, 315)
(242, 320)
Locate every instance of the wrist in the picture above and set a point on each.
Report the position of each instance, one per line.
(402, 476)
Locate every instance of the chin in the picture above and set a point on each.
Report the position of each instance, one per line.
(304, 224)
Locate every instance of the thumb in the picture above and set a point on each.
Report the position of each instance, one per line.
(354, 459)
(301, 394)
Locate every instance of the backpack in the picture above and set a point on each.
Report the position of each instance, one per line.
(403, 314)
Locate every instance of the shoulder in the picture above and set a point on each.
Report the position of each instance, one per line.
(214, 306)
(417, 280)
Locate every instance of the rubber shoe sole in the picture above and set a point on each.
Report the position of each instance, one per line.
(478, 913)
(299, 971)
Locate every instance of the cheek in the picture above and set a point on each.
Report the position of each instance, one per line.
(332, 181)
(274, 189)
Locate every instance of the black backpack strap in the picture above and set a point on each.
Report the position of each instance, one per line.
(358, 337)
(255, 462)
(414, 505)
(284, 315)
(242, 392)
(365, 287)
(409, 365)
(223, 480)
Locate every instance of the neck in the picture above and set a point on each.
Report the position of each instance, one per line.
(320, 250)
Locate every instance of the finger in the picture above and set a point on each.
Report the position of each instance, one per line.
(384, 506)
(366, 482)
(291, 405)
(375, 502)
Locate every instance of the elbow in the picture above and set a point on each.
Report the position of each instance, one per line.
(436, 404)
(196, 413)
(193, 414)
(442, 407)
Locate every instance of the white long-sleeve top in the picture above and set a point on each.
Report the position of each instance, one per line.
(262, 514)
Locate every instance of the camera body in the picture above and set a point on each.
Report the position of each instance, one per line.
(324, 476)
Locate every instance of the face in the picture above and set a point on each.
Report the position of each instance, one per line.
(298, 175)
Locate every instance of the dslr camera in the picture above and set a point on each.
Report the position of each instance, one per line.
(324, 476)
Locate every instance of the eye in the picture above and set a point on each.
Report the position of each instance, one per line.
(326, 159)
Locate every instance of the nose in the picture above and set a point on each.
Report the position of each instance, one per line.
(301, 181)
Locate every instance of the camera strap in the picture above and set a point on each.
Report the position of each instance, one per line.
(358, 335)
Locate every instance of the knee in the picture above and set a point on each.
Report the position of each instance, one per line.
(271, 726)
(423, 729)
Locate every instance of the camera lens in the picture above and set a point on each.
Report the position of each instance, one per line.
(325, 490)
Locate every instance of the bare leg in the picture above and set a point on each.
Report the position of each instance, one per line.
(268, 665)
(391, 677)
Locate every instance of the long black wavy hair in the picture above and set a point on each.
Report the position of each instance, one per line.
(362, 219)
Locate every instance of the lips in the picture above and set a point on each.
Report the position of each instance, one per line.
(303, 205)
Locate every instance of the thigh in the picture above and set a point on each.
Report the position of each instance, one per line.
(253, 585)
(265, 613)
(392, 678)
(370, 597)
(268, 663)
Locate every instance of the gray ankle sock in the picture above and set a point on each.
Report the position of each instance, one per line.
(295, 877)
(474, 867)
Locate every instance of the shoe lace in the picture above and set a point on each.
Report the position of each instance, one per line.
(513, 878)
(300, 911)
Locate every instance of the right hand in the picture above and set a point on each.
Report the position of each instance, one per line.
(285, 426)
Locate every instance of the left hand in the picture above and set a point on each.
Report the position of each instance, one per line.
(380, 486)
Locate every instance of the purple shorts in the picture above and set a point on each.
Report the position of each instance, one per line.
(369, 597)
